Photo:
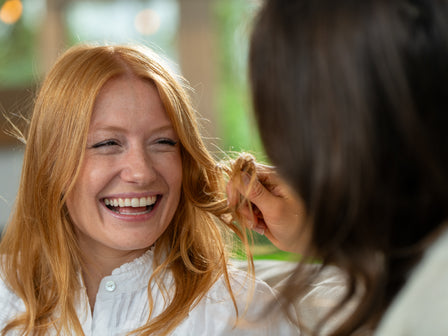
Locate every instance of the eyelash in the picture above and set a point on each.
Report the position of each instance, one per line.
(167, 142)
(105, 143)
(108, 143)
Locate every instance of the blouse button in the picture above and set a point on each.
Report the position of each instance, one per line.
(110, 286)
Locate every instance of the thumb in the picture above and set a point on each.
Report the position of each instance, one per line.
(257, 193)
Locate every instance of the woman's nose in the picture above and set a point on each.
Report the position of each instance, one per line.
(138, 167)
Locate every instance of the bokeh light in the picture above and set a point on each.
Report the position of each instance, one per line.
(147, 22)
(11, 11)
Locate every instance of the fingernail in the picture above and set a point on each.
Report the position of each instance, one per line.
(245, 178)
(259, 230)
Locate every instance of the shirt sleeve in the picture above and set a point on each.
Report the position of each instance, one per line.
(10, 304)
(420, 307)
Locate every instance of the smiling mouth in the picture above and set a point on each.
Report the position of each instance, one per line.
(131, 206)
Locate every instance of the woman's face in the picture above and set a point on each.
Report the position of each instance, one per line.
(130, 181)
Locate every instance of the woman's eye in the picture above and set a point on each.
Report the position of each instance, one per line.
(168, 142)
(105, 144)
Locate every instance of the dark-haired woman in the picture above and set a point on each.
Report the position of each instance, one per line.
(351, 101)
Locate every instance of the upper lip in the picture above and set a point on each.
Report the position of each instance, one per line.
(131, 195)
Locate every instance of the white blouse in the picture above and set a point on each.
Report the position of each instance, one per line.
(421, 307)
(122, 305)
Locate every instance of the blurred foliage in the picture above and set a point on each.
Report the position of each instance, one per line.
(236, 123)
(16, 54)
(262, 248)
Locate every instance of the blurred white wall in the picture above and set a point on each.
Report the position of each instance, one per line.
(10, 168)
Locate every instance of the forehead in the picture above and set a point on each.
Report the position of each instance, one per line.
(125, 90)
(128, 100)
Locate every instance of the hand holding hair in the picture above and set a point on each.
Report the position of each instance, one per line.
(266, 204)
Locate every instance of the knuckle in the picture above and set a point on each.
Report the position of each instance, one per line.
(256, 191)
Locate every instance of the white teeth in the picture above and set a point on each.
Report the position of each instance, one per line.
(131, 202)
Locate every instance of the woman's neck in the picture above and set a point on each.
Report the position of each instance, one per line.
(98, 265)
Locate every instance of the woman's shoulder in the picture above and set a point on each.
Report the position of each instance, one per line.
(216, 311)
(421, 306)
(244, 285)
(10, 303)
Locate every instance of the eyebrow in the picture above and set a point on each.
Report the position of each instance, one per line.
(111, 128)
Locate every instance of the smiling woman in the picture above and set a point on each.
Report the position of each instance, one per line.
(118, 222)
(132, 156)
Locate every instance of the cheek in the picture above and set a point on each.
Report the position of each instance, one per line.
(92, 176)
(179, 171)
(73, 205)
(85, 186)
(175, 176)
(74, 202)
(171, 170)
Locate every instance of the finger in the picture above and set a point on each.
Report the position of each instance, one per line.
(256, 192)
(268, 176)
(249, 216)
(253, 221)
(273, 182)
(260, 228)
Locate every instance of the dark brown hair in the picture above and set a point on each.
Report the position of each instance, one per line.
(350, 98)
